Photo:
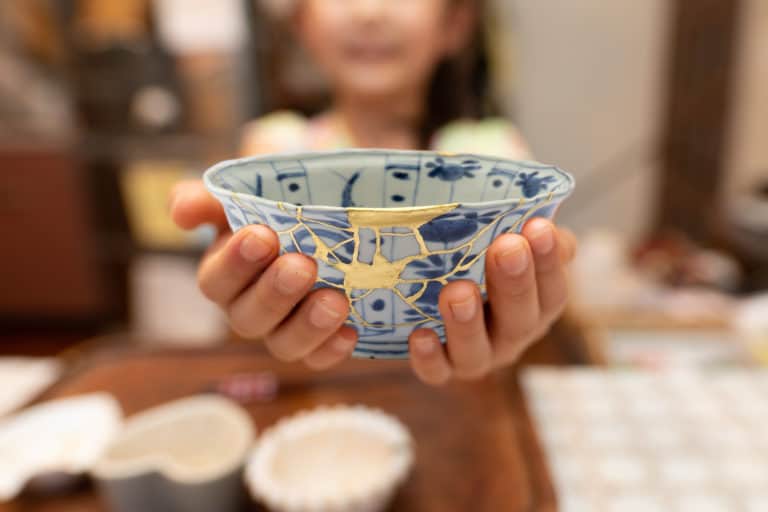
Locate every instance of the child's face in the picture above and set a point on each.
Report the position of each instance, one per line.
(377, 48)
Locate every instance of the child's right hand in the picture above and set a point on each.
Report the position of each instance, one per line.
(263, 294)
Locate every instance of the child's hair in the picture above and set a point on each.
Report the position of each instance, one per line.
(459, 88)
(460, 85)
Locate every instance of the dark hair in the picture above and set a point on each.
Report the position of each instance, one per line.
(459, 87)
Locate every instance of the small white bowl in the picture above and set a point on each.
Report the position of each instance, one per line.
(65, 436)
(184, 455)
(340, 459)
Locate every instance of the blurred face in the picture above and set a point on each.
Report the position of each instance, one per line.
(381, 47)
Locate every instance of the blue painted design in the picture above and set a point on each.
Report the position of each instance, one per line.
(455, 226)
(498, 171)
(452, 171)
(532, 183)
(346, 193)
(288, 175)
(438, 249)
(255, 189)
(405, 167)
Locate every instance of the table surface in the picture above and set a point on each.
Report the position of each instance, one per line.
(475, 445)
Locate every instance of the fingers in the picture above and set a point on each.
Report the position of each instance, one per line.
(527, 290)
(428, 358)
(191, 206)
(469, 348)
(512, 295)
(567, 243)
(334, 350)
(229, 268)
(266, 303)
(318, 317)
(550, 272)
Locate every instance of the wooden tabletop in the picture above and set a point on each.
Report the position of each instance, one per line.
(475, 446)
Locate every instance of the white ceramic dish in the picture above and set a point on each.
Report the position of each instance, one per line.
(341, 459)
(62, 436)
(22, 378)
(185, 455)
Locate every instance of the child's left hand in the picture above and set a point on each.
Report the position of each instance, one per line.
(527, 291)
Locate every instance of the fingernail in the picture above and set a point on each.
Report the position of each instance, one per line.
(290, 281)
(464, 310)
(542, 239)
(323, 316)
(255, 246)
(424, 345)
(512, 259)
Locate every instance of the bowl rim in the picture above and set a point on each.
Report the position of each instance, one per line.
(263, 486)
(560, 191)
(166, 415)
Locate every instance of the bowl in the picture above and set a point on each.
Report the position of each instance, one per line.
(330, 459)
(187, 455)
(388, 228)
(63, 437)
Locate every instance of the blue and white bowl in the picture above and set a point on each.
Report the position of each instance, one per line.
(388, 228)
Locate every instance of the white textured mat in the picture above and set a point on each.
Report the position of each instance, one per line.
(619, 440)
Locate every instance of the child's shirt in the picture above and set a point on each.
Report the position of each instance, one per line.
(286, 131)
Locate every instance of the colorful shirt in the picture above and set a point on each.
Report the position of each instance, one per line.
(286, 131)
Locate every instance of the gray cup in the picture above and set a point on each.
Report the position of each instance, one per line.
(183, 456)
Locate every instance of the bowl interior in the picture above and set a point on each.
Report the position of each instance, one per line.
(386, 179)
(189, 439)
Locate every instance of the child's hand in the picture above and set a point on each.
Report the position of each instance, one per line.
(527, 291)
(259, 292)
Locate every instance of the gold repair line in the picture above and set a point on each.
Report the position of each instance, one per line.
(289, 230)
(359, 319)
(400, 217)
(498, 219)
(295, 243)
(416, 296)
(423, 249)
(364, 295)
(397, 234)
(321, 248)
(340, 244)
(325, 224)
(321, 280)
(355, 243)
(414, 306)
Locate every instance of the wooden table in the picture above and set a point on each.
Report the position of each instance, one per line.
(475, 446)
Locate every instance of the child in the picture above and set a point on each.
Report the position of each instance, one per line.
(391, 65)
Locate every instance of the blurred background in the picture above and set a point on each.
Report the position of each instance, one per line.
(658, 107)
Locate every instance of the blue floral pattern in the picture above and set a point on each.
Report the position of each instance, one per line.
(532, 183)
(446, 171)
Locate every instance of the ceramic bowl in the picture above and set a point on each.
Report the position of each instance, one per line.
(64, 437)
(339, 459)
(183, 456)
(388, 228)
